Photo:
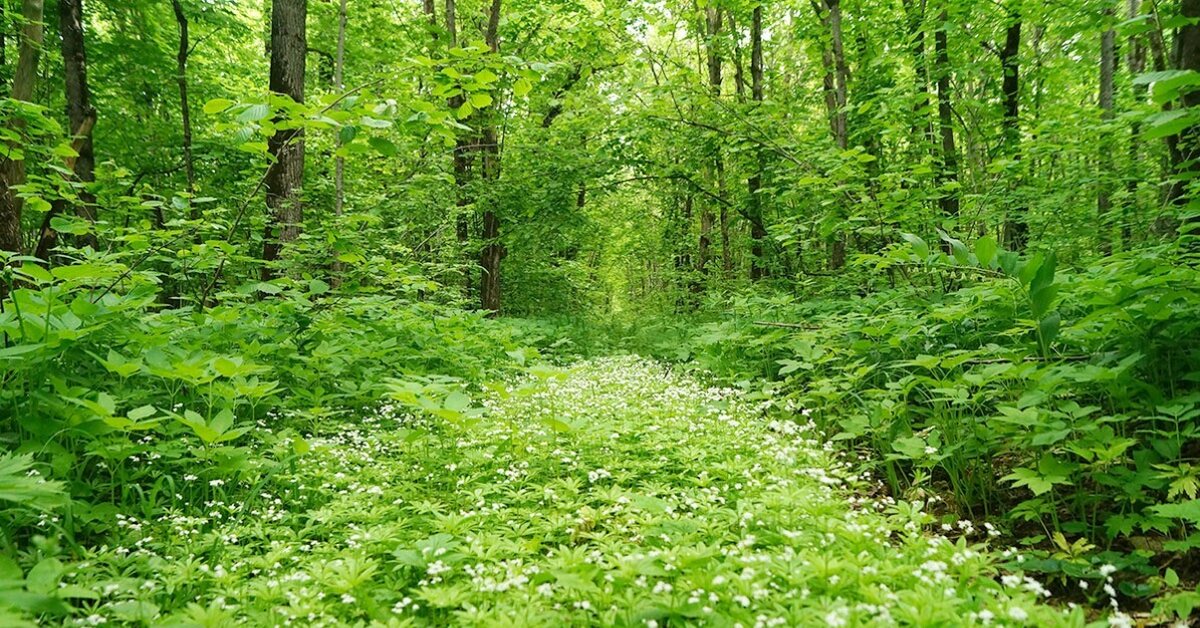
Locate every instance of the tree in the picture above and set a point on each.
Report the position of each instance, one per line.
(285, 177)
(1187, 54)
(12, 171)
(836, 85)
(948, 171)
(181, 65)
(493, 250)
(1108, 65)
(1016, 224)
(758, 231)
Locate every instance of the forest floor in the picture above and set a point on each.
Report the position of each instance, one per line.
(612, 492)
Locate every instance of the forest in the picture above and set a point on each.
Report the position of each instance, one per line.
(738, 313)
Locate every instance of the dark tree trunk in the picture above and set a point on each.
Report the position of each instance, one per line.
(948, 173)
(1108, 66)
(713, 61)
(1174, 190)
(922, 124)
(493, 250)
(4, 36)
(185, 109)
(464, 149)
(758, 232)
(12, 172)
(1187, 55)
(836, 81)
(1136, 61)
(81, 117)
(1016, 226)
(339, 165)
(285, 178)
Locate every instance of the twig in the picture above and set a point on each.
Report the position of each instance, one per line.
(787, 325)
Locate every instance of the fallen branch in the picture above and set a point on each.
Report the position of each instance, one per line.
(787, 325)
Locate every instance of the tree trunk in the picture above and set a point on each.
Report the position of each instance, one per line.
(1173, 189)
(12, 172)
(922, 124)
(1108, 64)
(1136, 60)
(289, 45)
(758, 232)
(948, 173)
(493, 250)
(836, 80)
(339, 84)
(464, 148)
(1187, 55)
(185, 109)
(4, 33)
(712, 29)
(1016, 225)
(339, 164)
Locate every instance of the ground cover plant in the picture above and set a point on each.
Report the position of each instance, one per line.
(598, 312)
(612, 491)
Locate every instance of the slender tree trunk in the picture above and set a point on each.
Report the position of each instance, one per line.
(339, 84)
(493, 250)
(948, 173)
(922, 124)
(836, 81)
(841, 74)
(4, 34)
(81, 117)
(1108, 65)
(1016, 225)
(339, 164)
(1174, 190)
(1136, 60)
(758, 232)
(464, 148)
(713, 61)
(12, 172)
(1187, 55)
(430, 10)
(185, 109)
(285, 178)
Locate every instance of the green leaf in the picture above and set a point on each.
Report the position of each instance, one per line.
(985, 251)
(218, 105)
(383, 147)
(457, 401)
(522, 88)
(1188, 511)
(255, 113)
(1168, 123)
(919, 246)
(481, 100)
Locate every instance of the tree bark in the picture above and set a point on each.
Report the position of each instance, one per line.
(464, 148)
(836, 81)
(185, 109)
(12, 172)
(758, 232)
(922, 124)
(339, 165)
(285, 178)
(1187, 55)
(1108, 65)
(1016, 225)
(713, 61)
(339, 83)
(493, 250)
(948, 173)
(1136, 60)
(4, 34)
